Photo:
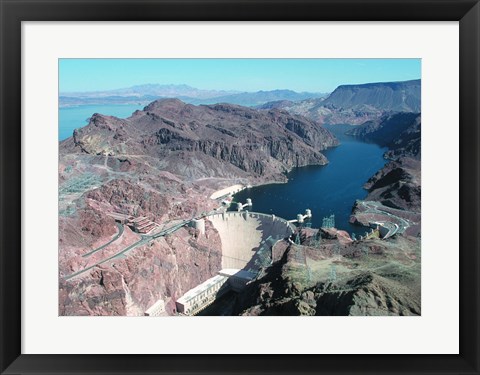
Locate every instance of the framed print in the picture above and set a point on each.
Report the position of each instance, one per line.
(239, 188)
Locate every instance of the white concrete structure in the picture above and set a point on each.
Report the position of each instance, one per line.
(241, 206)
(301, 218)
(200, 297)
(242, 234)
(199, 225)
(227, 191)
(237, 279)
(157, 309)
(196, 299)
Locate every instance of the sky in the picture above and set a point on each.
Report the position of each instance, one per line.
(312, 75)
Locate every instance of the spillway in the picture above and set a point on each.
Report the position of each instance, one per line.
(247, 238)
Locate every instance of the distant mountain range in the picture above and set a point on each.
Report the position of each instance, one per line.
(152, 90)
(145, 94)
(356, 104)
(347, 104)
(251, 99)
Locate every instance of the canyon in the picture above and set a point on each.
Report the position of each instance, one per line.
(163, 163)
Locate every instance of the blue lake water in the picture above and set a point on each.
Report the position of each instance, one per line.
(326, 190)
(72, 118)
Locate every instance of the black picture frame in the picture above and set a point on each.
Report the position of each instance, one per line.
(13, 12)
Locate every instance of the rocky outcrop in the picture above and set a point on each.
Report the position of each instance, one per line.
(244, 140)
(301, 282)
(397, 185)
(88, 226)
(394, 197)
(369, 294)
(128, 198)
(400, 132)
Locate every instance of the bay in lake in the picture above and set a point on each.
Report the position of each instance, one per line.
(326, 190)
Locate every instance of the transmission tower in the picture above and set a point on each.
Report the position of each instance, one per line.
(297, 239)
(318, 239)
(328, 221)
(333, 273)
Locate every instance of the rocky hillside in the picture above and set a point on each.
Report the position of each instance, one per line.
(93, 186)
(129, 285)
(394, 192)
(365, 278)
(356, 104)
(397, 185)
(400, 132)
(220, 140)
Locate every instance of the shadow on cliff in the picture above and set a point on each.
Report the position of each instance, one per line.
(271, 233)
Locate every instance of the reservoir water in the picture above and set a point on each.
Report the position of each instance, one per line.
(326, 190)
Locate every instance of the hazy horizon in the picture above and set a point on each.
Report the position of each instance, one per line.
(240, 75)
(225, 91)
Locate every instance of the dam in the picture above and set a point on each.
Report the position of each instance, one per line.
(247, 242)
(247, 238)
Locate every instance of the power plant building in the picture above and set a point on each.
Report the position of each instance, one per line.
(157, 309)
(237, 279)
(202, 295)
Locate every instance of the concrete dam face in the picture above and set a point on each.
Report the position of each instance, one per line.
(247, 238)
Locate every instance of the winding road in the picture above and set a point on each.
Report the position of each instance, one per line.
(120, 227)
(398, 224)
(144, 240)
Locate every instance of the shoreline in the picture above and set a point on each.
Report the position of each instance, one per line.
(243, 187)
